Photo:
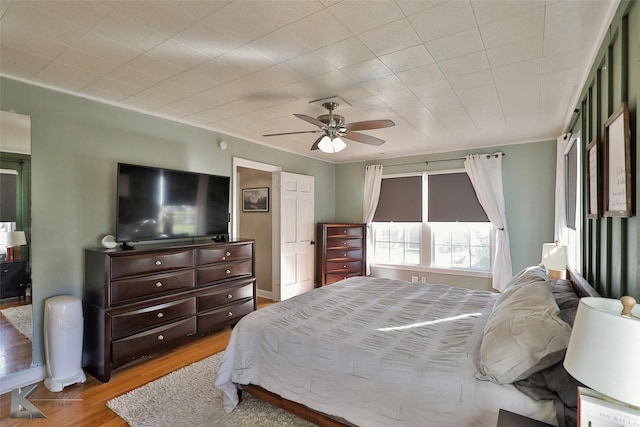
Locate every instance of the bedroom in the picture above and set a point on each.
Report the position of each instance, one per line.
(76, 146)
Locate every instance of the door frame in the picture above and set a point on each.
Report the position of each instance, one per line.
(274, 204)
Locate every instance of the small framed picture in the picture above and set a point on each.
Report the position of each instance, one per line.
(617, 164)
(255, 199)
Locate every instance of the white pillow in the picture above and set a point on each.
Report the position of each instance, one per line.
(523, 335)
(533, 273)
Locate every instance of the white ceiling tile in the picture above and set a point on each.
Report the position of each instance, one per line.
(421, 75)
(95, 64)
(436, 88)
(48, 26)
(205, 76)
(465, 64)
(442, 20)
(455, 45)
(63, 76)
(360, 19)
(124, 88)
(237, 20)
(168, 18)
(208, 40)
(511, 53)
(471, 80)
(319, 30)
(309, 65)
(29, 41)
(153, 66)
(518, 70)
(20, 64)
(390, 38)
(130, 33)
(244, 60)
(564, 60)
(406, 59)
(367, 70)
(134, 76)
(346, 52)
(85, 14)
(494, 10)
(178, 54)
(101, 93)
(96, 44)
(519, 27)
(410, 7)
(279, 46)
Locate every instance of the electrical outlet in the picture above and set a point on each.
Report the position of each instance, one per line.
(423, 279)
(414, 279)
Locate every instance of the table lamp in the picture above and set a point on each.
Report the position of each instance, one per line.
(554, 258)
(604, 348)
(11, 239)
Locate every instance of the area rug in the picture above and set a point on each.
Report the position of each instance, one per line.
(22, 318)
(188, 397)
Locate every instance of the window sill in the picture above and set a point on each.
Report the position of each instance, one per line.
(449, 271)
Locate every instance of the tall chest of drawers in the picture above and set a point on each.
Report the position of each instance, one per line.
(341, 251)
(145, 301)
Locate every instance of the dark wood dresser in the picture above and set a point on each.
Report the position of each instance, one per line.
(144, 301)
(341, 251)
(14, 279)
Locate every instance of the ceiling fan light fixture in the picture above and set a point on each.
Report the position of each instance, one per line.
(328, 145)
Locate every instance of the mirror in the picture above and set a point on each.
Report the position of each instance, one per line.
(15, 243)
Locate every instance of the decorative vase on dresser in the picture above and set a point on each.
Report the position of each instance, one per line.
(341, 251)
(153, 298)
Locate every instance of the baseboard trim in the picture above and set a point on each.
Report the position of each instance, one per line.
(23, 378)
(265, 294)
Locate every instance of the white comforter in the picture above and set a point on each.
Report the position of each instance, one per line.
(375, 352)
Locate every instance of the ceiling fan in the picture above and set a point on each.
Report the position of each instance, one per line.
(334, 127)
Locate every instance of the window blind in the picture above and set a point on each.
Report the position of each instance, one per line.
(452, 198)
(400, 200)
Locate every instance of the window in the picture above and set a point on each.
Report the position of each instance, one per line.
(431, 220)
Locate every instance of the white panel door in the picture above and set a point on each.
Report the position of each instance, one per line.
(297, 225)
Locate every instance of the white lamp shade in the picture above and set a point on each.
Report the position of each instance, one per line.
(604, 349)
(554, 256)
(328, 145)
(13, 238)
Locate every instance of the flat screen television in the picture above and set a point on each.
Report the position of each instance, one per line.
(156, 203)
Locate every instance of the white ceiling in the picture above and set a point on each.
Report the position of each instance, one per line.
(451, 74)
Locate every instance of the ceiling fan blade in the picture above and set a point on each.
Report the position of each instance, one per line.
(293, 133)
(370, 124)
(310, 120)
(315, 145)
(360, 137)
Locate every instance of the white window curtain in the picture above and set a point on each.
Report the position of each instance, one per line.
(372, 183)
(485, 173)
(560, 221)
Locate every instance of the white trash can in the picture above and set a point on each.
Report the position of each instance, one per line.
(63, 327)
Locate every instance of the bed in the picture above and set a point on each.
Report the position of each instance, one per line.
(382, 352)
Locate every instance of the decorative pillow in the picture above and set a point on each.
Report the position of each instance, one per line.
(523, 335)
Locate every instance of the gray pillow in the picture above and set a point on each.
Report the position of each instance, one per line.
(523, 335)
(534, 273)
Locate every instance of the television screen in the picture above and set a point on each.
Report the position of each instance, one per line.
(156, 203)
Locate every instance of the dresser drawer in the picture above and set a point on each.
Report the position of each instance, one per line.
(145, 343)
(223, 253)
(148, 286)
(344, 267)
(223, 296)
(150, 263)
(216, 319)
(336, 277)
(344, 254)
(145, 318)
(333, 232)
(343, 242)
(224, 271)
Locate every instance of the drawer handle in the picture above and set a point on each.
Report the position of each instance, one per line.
(344, 231)
(228, 271)
(158, 284)
(160, 337)
(344, 266)
(229, 314)
(344, 255)
(160, 315)
(229, 296)
(228, 253)
(158, 262)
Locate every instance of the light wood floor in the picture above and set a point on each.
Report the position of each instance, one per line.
(15, 348)
(85, 404)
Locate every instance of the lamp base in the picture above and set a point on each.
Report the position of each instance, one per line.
(557, 274)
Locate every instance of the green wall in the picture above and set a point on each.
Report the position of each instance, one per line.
(76, 144)
(611, 253)
(528, 174)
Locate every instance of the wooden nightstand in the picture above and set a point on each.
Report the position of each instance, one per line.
(509, 419)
